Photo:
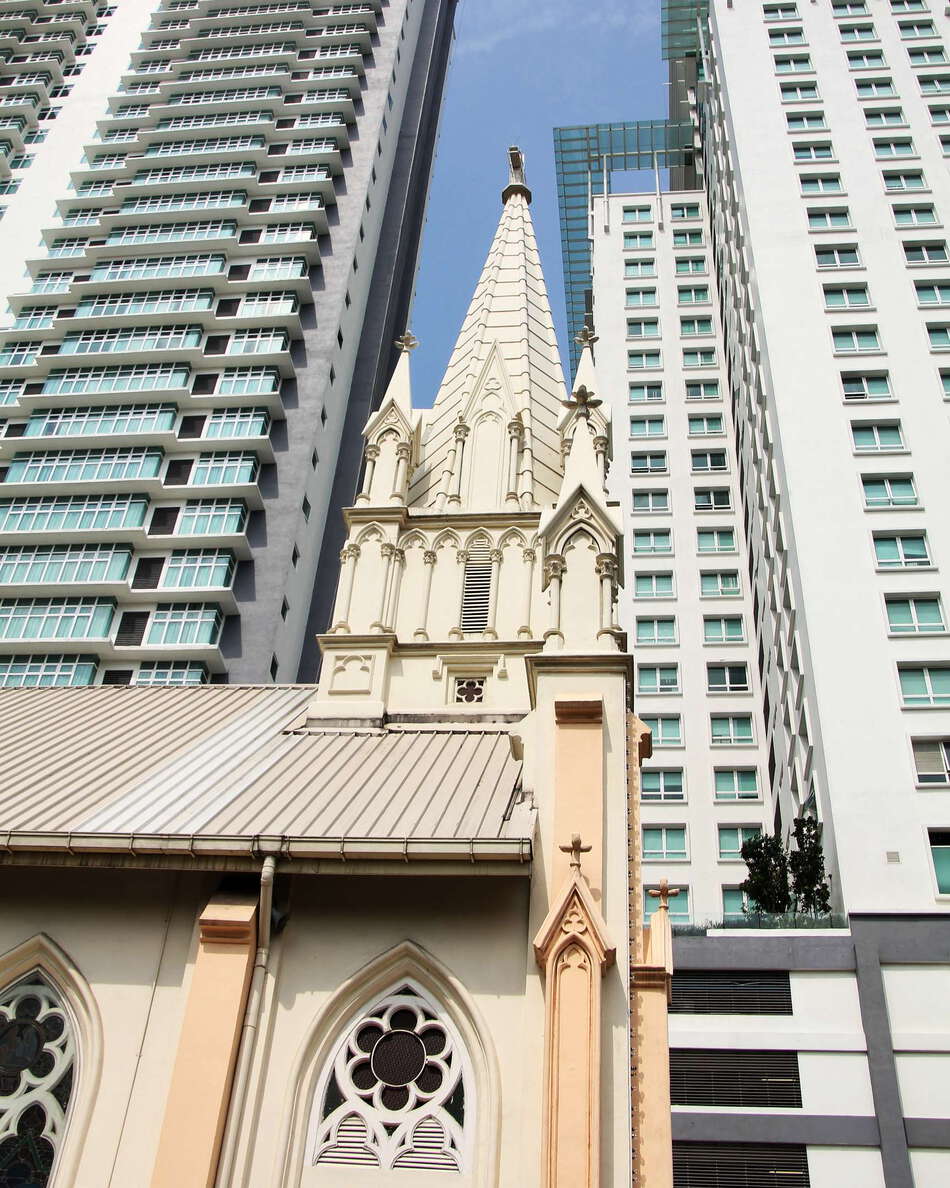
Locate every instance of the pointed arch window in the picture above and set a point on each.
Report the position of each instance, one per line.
(397, 1092)
(37, 1060)
(476, 587)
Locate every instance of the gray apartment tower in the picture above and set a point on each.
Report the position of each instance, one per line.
(211, 218)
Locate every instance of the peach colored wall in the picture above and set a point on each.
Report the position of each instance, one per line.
(200, 1089)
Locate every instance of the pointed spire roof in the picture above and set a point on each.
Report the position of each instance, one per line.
(509, 329)
(399, 393)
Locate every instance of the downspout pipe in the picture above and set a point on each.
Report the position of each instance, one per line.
(252, 1013)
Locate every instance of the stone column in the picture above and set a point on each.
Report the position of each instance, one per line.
(349, 555)
(600, 450)
(526, 478)
(514, 448)
(388, 552)
(490, 629)
(445, 479)
(554, 567)
(461, 557)
(392, 605)
(371, 454)
(429, 558)
(461, 433)
(197, 1102)
(402, 472)
(528, 556)
(607, 572)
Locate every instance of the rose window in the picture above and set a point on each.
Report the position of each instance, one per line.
(36, 1080)
(395, 1094)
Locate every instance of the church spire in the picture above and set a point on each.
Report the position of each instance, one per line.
(504, 384)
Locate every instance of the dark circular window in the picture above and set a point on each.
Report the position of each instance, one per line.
(398, 1057)
(21, 1041)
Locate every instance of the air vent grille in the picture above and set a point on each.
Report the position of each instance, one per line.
(734, 1077)
(705, 992)
(739, 1165)
(476, 589)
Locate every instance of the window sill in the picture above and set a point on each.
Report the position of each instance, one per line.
(943, 633)
(738, 800)
(826, 268)
(858, 354)
(661, 693)
(812, 162)
(944, 787)
(859, 401)
(845, 229)
(713, 511)
(919, 228)
(651, 511)
(905, 569)
(883, 129)
(929, 708)
(895, 453)
(742, 693)
(891, 194)
(927, 264)
(851, 311)
(903, 507)
(725, 643)
(719, 597)
(735, 746)
(818, 130)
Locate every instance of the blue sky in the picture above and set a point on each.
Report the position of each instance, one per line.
(520, 68)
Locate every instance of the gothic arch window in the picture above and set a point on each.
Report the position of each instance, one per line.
(37, 1062)
(476, 586)
(396, 1094)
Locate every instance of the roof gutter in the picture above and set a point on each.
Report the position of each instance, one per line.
(282, 848)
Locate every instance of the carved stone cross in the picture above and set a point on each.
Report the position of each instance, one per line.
(586, 337)
(575, 849)
(664, 893)
(407, 342)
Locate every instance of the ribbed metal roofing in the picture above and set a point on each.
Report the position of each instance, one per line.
(221, 760)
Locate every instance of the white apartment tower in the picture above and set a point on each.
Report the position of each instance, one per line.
(774, 329)
(210, 208)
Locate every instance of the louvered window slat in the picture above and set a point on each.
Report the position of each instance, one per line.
(476, 589)
(706, 992)
(739, 1165)
(734, 1077)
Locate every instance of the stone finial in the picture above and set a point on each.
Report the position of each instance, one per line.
(583, 400)
(407, 342)
(516, 177)
(586, 338)
(575, 849)
(664, 893)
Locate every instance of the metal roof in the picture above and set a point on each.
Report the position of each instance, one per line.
(221, 762)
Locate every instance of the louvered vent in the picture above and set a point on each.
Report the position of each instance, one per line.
(705, 992)
(739, 1165)
(731, 1077)
(476, 589)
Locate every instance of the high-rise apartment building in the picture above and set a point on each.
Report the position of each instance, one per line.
(773, 321)
(220, 199)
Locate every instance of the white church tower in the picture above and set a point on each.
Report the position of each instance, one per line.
(482, 532)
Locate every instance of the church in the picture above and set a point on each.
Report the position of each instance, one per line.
(385, 930)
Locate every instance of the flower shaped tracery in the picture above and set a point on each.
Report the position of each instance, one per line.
(395, 1095)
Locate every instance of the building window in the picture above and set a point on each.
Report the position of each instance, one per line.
(731, 839)
(709, 425)
(654, 541)
(704, 357)
(914, 216)
(56, 618)
(904, 181)
(653, 585)
(939, 337)
(637, 297)
(189, 623)
(702, 390)
(887, 491)
(638, 268)
(691, 327)
(637, 240)
(687, 239)
(866, 386)
(709, 461)
(643, 328)
(932, 292)
(932, 761)
(664, 843)
(736, 783)
(821, 183)
(727, 678)
(735, 903)
(693, 295)
(656, 631)
(663, 785)
(798, 92)
(637, 214)
(805, 121)
(643, 360)
(855, 339)
(792, 63)
(654, 463)
(879, 438)
(662, 678)
(818, 151)
(396, 1093)
(866, 60)
(846, 296)
(831, 219)
(645, 393)
(716, 540)
(914, 616)
(837, 256)
(18, 672)
(647, 427)
(874, 88)
(925, 686)
(719, 584)
(712, 499)
(904, 551)
(940, 854)
(684, 210)
(666, 729)
(469, 690)
(933, 252)
(645, 502)
(857, 32)
(38, 1073)
(733, 730)
(930, 55)
(170, 672)
(884, 117)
